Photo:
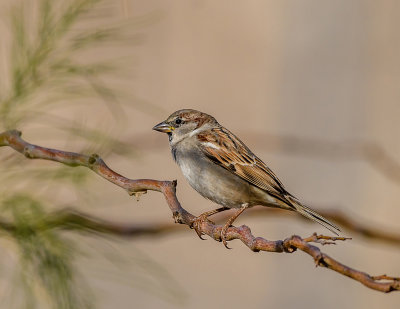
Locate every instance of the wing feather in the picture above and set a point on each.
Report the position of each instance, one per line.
(228, 151)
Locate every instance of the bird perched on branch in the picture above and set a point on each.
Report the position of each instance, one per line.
(223, 169)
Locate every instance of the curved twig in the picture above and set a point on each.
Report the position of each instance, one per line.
(369, 231)
(137, 187)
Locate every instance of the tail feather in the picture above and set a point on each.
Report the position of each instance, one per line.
(313, 215)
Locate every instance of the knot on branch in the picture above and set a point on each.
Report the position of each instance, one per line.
(15, 132)
(93, 159)
(289, 243)
(171, 185)
(177, 216)
(27, 152)
(320, 261)
(137, 194)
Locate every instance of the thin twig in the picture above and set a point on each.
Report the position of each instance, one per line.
(381, 283)
(369, 231)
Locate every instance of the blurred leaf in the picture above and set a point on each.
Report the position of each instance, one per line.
(45, 77)
(45, 257)
(91, 37)
(37, 62)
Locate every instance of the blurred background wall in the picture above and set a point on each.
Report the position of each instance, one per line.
(325, 70)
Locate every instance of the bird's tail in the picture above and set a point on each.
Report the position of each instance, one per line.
(313, 215)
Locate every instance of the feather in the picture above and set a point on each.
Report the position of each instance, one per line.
(225, 149)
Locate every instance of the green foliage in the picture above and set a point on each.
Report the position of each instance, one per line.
(47, 39)
(35, 61)
(45, 257)
(44, 75)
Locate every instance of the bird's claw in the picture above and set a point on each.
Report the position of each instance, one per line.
(196, 225)
(223, 236)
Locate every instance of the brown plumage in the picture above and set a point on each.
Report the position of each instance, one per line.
(223, 169)
(231, 153)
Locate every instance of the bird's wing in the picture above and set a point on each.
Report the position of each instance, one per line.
(225, 149)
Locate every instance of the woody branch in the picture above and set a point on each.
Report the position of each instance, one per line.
(137, 187)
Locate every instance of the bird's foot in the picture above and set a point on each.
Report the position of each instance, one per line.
(223, 234)
(229, 223)
(197, 223)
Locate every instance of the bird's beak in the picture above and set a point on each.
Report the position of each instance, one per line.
(163, 127)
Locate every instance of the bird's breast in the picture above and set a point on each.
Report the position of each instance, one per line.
(213, 181)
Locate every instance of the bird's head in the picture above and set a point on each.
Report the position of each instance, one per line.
(184, 123)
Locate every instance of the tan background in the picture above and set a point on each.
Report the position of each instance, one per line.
(317, 69)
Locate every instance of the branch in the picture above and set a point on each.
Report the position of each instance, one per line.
(137, 187)
(365, 230)
(71, 219)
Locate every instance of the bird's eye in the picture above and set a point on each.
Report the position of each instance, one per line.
(178, 121)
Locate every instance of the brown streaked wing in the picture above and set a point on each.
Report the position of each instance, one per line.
(228, 151)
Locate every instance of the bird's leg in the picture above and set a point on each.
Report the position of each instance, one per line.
(196, 224)
(229, 223)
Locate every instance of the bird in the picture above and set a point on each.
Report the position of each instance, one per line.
(221, 168)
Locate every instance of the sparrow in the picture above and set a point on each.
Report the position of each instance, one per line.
(220, 167)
